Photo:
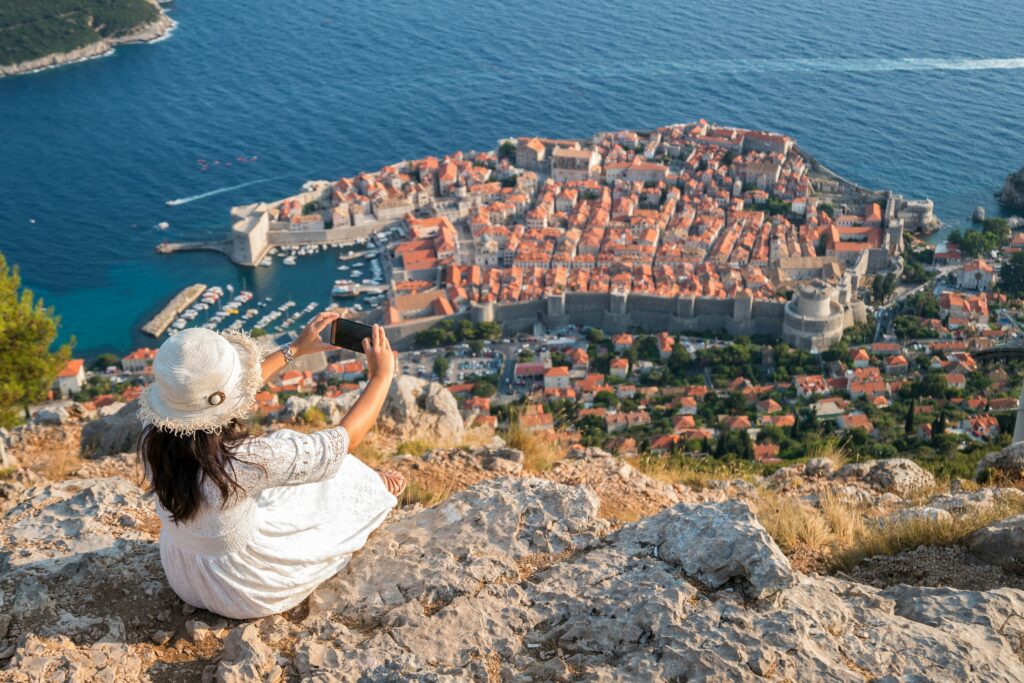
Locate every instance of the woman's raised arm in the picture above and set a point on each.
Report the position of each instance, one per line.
(308, 341)
(380, 362)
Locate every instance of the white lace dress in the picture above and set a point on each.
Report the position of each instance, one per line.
(306, 505)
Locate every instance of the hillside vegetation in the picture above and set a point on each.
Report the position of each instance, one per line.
(30, 29)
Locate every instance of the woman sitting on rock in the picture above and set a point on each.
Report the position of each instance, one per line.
(251, 525)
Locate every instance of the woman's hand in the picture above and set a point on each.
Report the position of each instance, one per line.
(309, 340)
(380, 359)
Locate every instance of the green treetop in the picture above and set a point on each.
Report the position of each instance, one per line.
(28, 330)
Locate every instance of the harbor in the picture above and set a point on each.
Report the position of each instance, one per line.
(165, 318)
(266, 300)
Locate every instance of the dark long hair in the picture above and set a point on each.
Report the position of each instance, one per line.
(177, 466)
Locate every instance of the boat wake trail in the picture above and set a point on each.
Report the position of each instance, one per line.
(905, 64)
(222, 190)
(833, 65)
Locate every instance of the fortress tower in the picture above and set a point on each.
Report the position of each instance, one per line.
(814, 319)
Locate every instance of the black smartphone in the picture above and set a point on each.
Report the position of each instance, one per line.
(348, 334)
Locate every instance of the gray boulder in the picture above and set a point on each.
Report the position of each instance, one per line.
(962, 502)
(898, 475)
(110, 409)
(52, 416)
(416, 407)
(1008, 462)
(1001, 544)
(115, 433)
(723, 544)
(296, 406)
(916, 514)
(819, 467)
(486, 532)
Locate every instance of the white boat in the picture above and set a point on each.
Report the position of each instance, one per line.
(289, 260)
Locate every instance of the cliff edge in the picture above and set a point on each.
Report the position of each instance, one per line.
(510, 579)
(589, 569)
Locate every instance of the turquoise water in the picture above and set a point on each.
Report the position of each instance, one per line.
(925, 98)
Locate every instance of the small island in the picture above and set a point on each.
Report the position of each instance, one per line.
(41, 34)
(1012, 194)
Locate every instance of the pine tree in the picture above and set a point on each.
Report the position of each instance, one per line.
(28, 330)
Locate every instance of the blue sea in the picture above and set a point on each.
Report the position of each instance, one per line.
(924, 97)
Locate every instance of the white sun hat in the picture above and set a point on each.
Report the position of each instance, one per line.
(202, 380)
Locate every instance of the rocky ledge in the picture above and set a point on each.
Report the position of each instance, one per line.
(145, 33)
(513, 579)
(1012, 194)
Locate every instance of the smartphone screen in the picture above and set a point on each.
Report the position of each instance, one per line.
(348, 334)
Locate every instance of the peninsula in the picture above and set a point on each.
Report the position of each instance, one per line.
(41, 34)
(687, 228)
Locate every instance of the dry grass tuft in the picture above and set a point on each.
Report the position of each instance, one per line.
(830, 449)
(477, 435)
(695, 472)
(895, 538)
(540, 450)
(57, 465)
(416, 447)
(416, 492)
(800, 530)
(836, 534)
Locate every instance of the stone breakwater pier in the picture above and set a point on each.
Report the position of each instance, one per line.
(162, 320)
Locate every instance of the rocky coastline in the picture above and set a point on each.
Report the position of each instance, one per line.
(146, 33)
(1012, 194)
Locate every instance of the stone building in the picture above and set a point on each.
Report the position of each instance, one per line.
(575, 164)
(814, 319)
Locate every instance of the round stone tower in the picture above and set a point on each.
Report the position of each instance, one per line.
(813, 319)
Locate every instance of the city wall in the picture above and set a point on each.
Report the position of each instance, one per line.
(618, 312)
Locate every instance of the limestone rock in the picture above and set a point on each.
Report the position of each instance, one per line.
(115, 433)
(926, 513)
(626, 493)
(1008, 462)
(416, 406)
(247, 658)
(514, 579)
(110, 409)
(900, 476)
(54, 415)
(960, 503)
(482, 533)
(723, 543)
(296, 406)
(1001, 544)
(819, 467)
(57, 522)
(854, 470)
(61, 659)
